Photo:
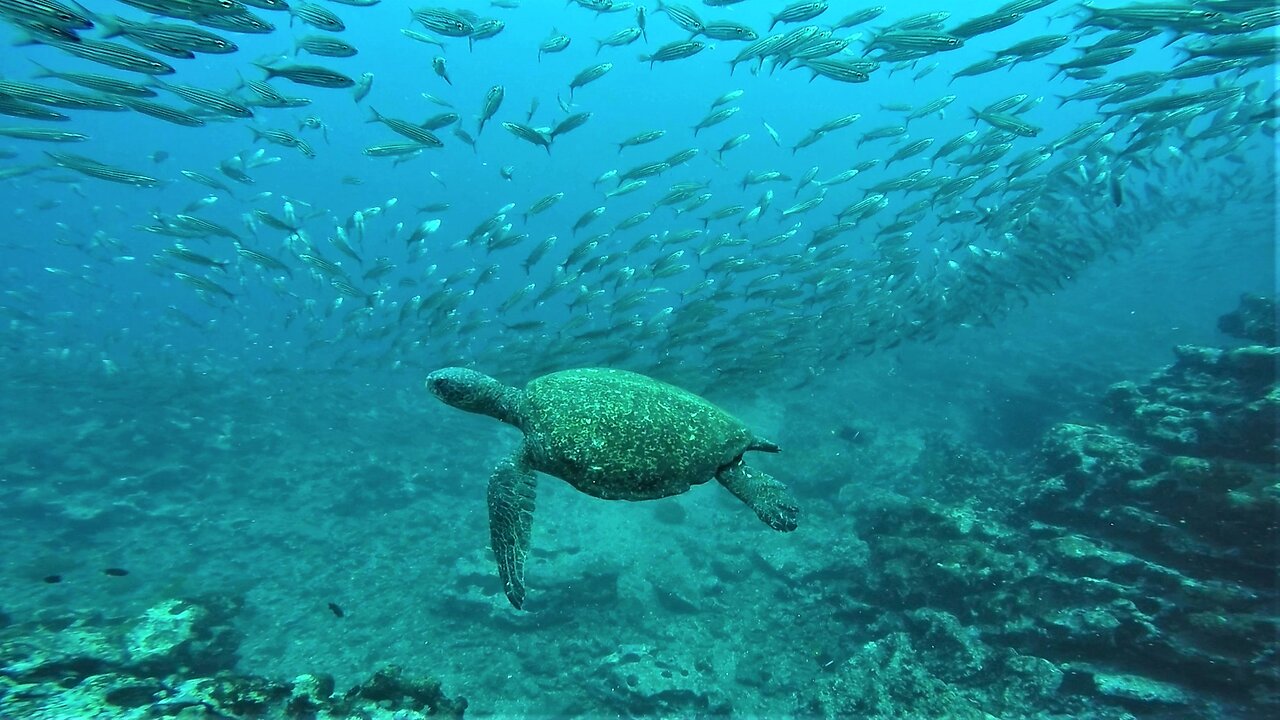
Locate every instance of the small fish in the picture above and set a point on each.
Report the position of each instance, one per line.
(219, 102)
(676, 50)
(732, 143)
(42, 134)
(715, 118)
(93, 168)
(325, 46)
(530, 135)
(414, 132)
(798, 12)
(558, 42)
(727, 98)
(572, 122)
(170, 39)
(442, 69)
(543, 204)
(114, 55)
(641, 139)
(492, 101)
(591, 74)
(729, 30)
(101, 83)
(625, 36)
(421, 37)
(683, 16)
(317, 16)
(51, 12)
(336, 610)
(312, 75)
(773, 134)
(445, 22)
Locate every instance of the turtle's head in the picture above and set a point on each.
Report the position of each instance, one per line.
(474, 392)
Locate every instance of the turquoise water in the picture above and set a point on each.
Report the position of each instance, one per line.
(263, 450)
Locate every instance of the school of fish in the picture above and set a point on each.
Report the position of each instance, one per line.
(675, 264)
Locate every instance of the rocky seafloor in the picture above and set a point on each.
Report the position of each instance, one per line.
(1125, 568)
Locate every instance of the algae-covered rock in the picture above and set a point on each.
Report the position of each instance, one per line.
(392, 688)
(310, 693)
(1140, 691)
(640, 680)
(1255, 320)
(904, 675)
(1211, 403)
(163, 629)
(1089, 454)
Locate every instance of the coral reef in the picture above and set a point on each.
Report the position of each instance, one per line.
(1128, 570)
(177, 660)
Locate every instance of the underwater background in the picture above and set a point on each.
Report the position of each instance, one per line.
(1030, 418)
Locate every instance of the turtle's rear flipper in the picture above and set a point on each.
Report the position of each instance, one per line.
(769, 498)
(511, 496)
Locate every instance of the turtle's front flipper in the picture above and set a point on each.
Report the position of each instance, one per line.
(769, 498)
(511, 495)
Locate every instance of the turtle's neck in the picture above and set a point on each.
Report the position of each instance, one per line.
(488, 396)
(504, 402)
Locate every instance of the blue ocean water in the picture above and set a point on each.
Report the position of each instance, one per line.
(269, 457)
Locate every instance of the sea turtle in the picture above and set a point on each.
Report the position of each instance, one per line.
(611, 434)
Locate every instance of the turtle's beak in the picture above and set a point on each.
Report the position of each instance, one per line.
(438, 384)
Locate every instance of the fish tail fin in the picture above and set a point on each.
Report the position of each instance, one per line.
(871, 43)
(44, 71)
(111, 25)
(975, 115)
(374, 115)
(1087, 6)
